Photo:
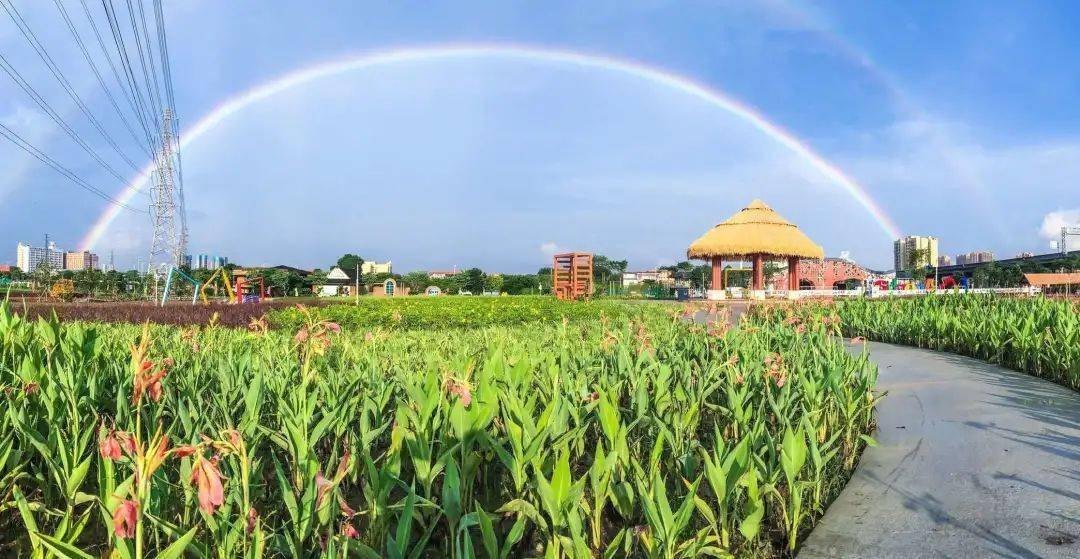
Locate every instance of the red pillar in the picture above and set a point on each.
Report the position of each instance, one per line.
(759, 272)
(717, 273)
(793, 273)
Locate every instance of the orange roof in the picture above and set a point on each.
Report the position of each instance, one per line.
(1052, 279)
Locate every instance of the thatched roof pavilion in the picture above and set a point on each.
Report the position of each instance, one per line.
(754, 233)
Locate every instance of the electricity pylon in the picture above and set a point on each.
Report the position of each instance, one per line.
(169, 243)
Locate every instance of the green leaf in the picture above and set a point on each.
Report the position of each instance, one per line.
(62, 549)
(177, 548)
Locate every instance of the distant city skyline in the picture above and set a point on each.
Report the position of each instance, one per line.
(622, 129)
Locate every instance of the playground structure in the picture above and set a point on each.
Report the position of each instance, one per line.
(572, 275)
(242, 291)
(220, 273)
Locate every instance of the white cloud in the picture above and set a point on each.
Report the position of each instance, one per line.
(549, 248)
(1054, 221)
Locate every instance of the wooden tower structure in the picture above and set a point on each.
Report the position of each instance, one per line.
(572, 275)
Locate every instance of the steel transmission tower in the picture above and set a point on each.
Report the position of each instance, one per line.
(167, 205)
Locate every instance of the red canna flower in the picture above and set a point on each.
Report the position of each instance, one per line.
(301, 336)
(252, 520)
(184, 450)
(146, 383)
(323, 487)
(461, 390)
(206, 475)
(109, 447)
(349, 531)
(333, 327)
(346, 510)
(126, 518)
(31, 388)
(127, 442)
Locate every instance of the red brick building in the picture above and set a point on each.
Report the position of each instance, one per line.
(829, 273)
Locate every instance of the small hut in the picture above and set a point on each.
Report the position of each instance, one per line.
(755, 233)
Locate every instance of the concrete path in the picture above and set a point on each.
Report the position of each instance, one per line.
(974, 461)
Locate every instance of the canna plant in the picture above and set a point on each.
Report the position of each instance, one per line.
(621, 432)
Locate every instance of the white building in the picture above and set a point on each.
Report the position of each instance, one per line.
(662, 277)
(28, 258)
(372, 268)
(338, 282)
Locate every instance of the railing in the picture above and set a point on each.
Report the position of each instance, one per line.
(812, 293)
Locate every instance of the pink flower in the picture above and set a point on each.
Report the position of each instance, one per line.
(109, 447)
(349, 531)
(333, 327)
(322, 486)
(252, 520)
(126, 518)
(301, 336)
(206, 475)
(461, 390)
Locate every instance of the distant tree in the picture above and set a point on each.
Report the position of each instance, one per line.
(494, 283)
(416, 281)
(316, 279)
(350, 262)
(606, 270)
(520, 284)
(474, 280)
(282, 282)
(543, 278)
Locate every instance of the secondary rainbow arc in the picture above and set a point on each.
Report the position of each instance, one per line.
(652, 74)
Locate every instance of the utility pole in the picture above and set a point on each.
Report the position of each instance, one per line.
(356, 292)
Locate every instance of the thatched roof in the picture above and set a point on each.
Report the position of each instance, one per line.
(757, 229)
(1046, 280)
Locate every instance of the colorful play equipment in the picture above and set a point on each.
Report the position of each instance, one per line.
(245, 290)
(572, 275)
(242, 291)
(174, 271)
(224, 276)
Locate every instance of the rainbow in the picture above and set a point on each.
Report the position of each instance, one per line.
(353, 63)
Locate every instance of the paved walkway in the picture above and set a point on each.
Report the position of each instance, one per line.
(974, 461)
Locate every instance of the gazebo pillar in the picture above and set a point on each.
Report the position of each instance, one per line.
(759, 276)
(716, 290)
(793, 273)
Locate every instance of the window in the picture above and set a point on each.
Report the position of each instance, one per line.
(388, 288)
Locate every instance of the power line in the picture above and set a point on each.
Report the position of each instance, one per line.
(26, 146)
(100, 80)
(128, 96)
(143, 107)
(29, 89)
(32, 39)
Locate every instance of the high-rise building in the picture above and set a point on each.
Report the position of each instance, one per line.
(28, 258)
(906, 250)
(210, 262)
(975, 257)
(80, 260)
(944, 260)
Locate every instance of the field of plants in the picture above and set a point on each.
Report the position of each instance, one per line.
(1038, 335)
(179, 313)
(405, 313)
(627, 434)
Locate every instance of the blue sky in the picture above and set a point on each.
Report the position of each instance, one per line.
(958, 118)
